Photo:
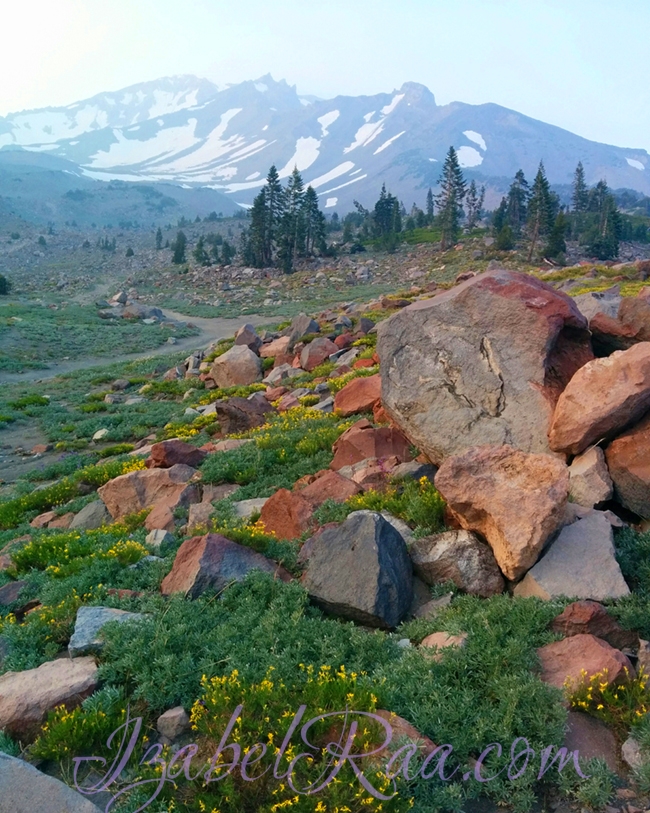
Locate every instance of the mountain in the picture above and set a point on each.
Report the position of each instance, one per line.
(189, 132)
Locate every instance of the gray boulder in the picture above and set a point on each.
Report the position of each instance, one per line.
(579, 564)
(24, 789)
(482, 363)
(460, 557)
(91, 516)
(361, 570)
(593, 302)
(88, 624)
(302, 325)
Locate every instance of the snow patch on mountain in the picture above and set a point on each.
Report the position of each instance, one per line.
(341, 169)
(388, 143)
(369, 116)
(253, 175)
(341, 186)
(166, 102)
(634, 163)
(477, 138)
(262, 87)
(327, 120)
(125, 151)
(307, 151)
(469, 157)
(331, 202)
(393, 104)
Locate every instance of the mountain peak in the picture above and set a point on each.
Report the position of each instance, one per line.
(415, 93)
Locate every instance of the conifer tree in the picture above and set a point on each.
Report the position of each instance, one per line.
(159, 239)
(291, 233)
(580, 196)
(178, 248)
(430, 202)
(200, 254)
(500, 217)
(556, 246)
(605, 233)
(314, 223)
(541, 213)
(474, 203)
(387, 219)
(274, 200)
(518, 196)
(450, 199)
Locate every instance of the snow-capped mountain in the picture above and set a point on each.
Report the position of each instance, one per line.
(187, 131)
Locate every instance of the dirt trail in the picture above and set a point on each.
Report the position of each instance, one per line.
(210, 331)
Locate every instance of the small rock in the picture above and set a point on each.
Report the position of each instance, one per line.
(628, 459)
(570, 657)
(631, 753)
(287, 514)
(156, 539)
(100, 434)
(590, 617)
(316, 352)
(88, 624)
(244, 509)
(359, 395)
(239, 366)
(432, 607)
(247, 336)
(91, 517)
(173, 723)
(439, 641)
(362, 441)
(169, 453)
(589, 480)
(199, 516)
(591, 739)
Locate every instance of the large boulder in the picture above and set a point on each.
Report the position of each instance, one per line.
(316, 353)
(237, 367)
(579, 657)
(591, 618)
(91, 517)
(169, 453)
(241, 414)
(481, 363)
(589, 480)
(26, 697)
(581, 563)
(24, 789)
(137, 490)
(278, 347)
(301, 326)
(86, 637)
(628, 460)
(486, 490)
(602, 399)
(362, 441)
(212, 562)
(460, 557)
(361, 570)
(635, 313)
(359, 395)
(287, 514)
(595, 302)
(247, 335)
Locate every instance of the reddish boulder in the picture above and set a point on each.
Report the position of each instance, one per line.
(481, 363)
(288, 401)
(634, 312)
(363, 440)
(316, 353)
(329, 485)
(372, 473)
(212, 562)
(168, 453)
(579, 657)
(362, 364)
(359, 395)
(137, 490)
(401, 729)
(602, 399)
(247, 336)
(241, 414)
(628, 460)
(591, 739)
(273, 393)
(609, 334)
(343, 340)
(43, 520)
(590, 617)
(486, 487)
(63, 522)
(287, 514)
(160, 518)
(278, 347)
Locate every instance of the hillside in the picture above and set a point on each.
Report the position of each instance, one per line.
(187, 131)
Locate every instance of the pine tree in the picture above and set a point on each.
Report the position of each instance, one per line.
(387, 219)
(430, 206)
(474, 203)
(580, 196)
(159, 239)
(274, 210)
(258, 247)
(314, 223)
(556, 246)
(518, 196)
(605, 233)
(500, 217)
(540, 210)
(178, 248)
(450, 199)
(200, 254)
(291, 233)
(228, 253)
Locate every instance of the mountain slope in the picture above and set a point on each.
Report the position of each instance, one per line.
(187, 131)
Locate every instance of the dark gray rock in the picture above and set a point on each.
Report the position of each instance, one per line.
(24, 789)
(91, 516)
(88, 624)
(414, 471)
(460, 557)
(302, 325)
(361, 571)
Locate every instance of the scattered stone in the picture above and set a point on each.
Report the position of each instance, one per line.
(609, 335)
(173, 723)
(316, 353)
(161, 518)
(634, 312)
(590, 617)
(41, 448)
(169, 453)
(212, 562)
(603, 302)
(246, 335)
(214, 493)
(156, 539)
(581, 563)
(329, 485)
(401, 729)
(602, 399)
(43, 520)
(432, 607)
(457, 556)
(89, 622)
(278, 347)
(361, 570)
(282, 373)
(287, 514)
(569, 657)
(244, 509)
(229, 444)
(241, 414)
(137, 490)
(120, 384)
(63, 522)
(485, 489)
(631, 753)
(439, 641)
(643, 656)
(301, 326)
(628, 459)
(414, 471)
(455, 374)
(591, 739)
(27, 696)
(9, 593)
(359, 395)
(363, 440)
(26, 790)
(238, 366)
(100, 434)
(589, 480)
(199, 516)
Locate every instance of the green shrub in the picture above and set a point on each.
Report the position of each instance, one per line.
(8, 746)
(28, 401)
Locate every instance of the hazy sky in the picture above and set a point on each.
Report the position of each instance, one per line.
(580, 64)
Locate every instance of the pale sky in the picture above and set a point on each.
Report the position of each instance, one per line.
(579, 64)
